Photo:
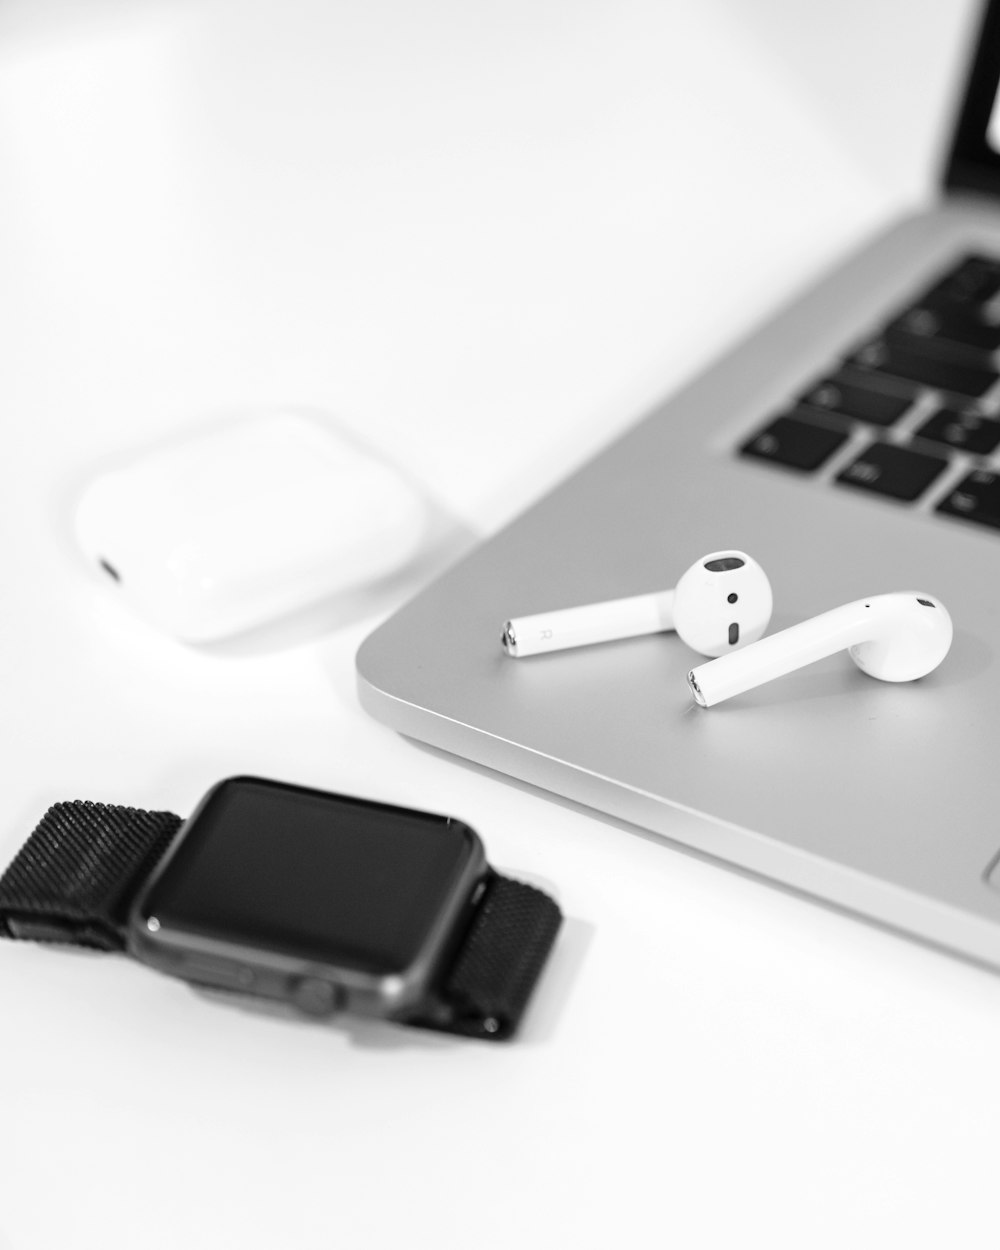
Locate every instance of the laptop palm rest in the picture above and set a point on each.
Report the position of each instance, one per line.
(873, 796)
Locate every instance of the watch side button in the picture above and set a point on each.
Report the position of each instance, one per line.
(314, 996)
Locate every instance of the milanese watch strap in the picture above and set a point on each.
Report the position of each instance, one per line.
(74, 879)
(486, 987)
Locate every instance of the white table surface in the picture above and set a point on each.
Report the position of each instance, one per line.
(486, 237)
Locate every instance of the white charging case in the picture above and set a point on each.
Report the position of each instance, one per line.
(240, 523)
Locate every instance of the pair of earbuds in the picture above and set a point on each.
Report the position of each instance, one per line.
(721, 608)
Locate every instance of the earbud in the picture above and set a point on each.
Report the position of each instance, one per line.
(897, 637)
(722, 602)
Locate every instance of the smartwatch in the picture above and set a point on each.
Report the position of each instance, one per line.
(323, 901)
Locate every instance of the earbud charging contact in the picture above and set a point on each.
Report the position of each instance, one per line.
(692, 680)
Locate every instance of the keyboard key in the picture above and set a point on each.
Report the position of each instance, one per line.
(976, 498)
(975, 280)
(966, 431)
(898, 472)
(794, 443)
(858, 396)
(963, 329)
(957, 375)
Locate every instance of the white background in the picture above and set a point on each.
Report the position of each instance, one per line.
(486, 237)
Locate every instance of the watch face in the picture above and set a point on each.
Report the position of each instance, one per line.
(306, 876)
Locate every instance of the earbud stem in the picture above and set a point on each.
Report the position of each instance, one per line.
(589, 623)
(780, 653)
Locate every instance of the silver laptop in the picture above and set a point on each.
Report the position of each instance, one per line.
(852, 446)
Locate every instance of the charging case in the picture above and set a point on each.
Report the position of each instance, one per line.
(238, 524)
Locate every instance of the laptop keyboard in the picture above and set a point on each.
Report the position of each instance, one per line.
(912, 415)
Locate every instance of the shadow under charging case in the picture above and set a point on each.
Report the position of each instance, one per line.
(238, 524)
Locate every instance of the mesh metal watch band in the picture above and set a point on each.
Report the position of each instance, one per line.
(74, 878)
(487, 986)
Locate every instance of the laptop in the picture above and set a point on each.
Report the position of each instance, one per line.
(852, 446)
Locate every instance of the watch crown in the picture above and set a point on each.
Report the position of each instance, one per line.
(315, 997)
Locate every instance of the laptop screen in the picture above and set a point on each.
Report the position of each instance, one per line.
(975, 157)
(993, 128)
